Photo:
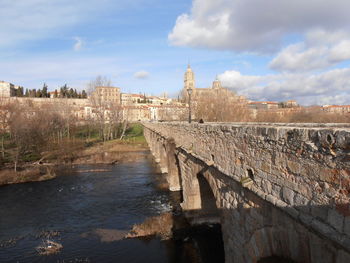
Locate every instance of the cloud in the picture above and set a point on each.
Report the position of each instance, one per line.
(314, 53)
(329, 87)
(255, 25)
(141, 74)
(78, 44)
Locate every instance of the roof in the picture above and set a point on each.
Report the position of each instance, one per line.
(109, 87)
(137, 95)
(336, 106)
(263, 102)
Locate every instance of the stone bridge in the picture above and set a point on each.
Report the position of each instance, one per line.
(277, 190)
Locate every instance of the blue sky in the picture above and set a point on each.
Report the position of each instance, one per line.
(273, 51)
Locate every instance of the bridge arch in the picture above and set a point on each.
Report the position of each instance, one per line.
(207, 198)
(275, 198)
(173, 166)
(272, 244)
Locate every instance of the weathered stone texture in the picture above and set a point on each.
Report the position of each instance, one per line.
(282, 190)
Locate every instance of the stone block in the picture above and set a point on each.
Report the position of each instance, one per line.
(346, 229)
(318, 211)
(266, 187)
(305, 190)
(320, 253)
(322, 227)
(330, 175)
(344, 241)
(294, 167)
(301, 203)
(276, 190)
(260, 193)
(256, 215)
(265, 166)
(293, 242)
(335, 219)
(293, 212)
(281, 204)
(272, 134)
(288, 195)
(271, 199)
(306, 219)
(343, 257)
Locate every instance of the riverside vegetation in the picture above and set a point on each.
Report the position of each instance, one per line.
(34, 142)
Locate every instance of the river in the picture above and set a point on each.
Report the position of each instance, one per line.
(81, 207)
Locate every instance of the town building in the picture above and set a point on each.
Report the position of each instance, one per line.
(133, 107)
(289, 104)
(263, 105)
(340, 109)
(6, 89)
(107, 94)
(126, 99)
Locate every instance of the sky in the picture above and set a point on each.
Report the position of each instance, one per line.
(265, 50)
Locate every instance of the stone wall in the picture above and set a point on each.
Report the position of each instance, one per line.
(281, 189)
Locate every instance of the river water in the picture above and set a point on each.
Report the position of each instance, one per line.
(86, 202)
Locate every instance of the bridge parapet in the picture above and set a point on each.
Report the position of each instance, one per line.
(300, 169)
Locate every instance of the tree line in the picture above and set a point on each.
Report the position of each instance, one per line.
(44, 131)
(63, 92)
(223, 106)
(28, 132)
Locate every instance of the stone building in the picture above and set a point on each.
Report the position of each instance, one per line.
(126, 99)
(107, 94)
(263, 105)
(339, 109)
(216, 91)
(6, 89)
(289, 104)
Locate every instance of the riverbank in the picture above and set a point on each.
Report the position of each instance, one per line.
(29, 173)
(110, 152)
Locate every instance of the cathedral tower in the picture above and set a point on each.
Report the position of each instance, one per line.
(217, 84)
(189, 79)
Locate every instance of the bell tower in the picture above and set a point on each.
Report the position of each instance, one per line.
(189, 82)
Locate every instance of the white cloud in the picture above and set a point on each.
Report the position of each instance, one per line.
(141, 74)
(78, 44)
(318, 51)
(330, 87)
(255, 25)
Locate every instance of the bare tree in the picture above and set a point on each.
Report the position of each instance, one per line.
(301, 115)
(6, 110)
(107, 114)
(220, 106)
(99, 81)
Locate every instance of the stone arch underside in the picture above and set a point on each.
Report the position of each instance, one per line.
(172, 163)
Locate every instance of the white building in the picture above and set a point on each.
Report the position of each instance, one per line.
(5, 88)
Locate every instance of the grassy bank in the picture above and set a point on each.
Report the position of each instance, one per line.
(85, 146)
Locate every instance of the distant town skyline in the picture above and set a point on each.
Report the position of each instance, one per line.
(264, 50)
